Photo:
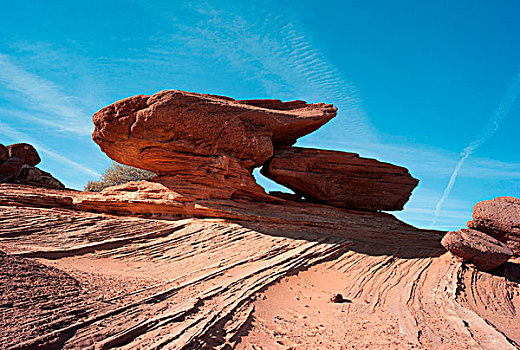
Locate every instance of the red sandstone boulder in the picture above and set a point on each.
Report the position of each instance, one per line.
(341, 179)
(476, 247)
(499, 218)
(25, 152)
(204, 143)
(4, 153)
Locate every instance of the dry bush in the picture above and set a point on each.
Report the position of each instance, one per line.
(118, 174)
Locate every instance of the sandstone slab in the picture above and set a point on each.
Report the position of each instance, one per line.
(341, 179)
(499, 218)
(484, 251)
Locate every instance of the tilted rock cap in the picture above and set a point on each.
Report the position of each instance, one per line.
(173, 122)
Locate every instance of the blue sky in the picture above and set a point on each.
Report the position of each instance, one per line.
(429, 85)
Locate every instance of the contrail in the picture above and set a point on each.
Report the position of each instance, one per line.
(491, 127)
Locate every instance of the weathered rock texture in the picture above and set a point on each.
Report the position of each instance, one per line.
(17, 165)
(499, 218)
(224, 274)
(192, 139)
(341, 179)
(485, 252)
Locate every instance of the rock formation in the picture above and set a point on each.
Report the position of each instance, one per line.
(493, 235)
(499, 218)
(478, 248)
(18, 165)
(160, 271)
(203, 144)
(206, 146)
(341, 179)
(184, 262)
(25, 152)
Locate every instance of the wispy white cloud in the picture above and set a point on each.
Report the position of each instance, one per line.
(44, 96)
(489, 130)
(267, 44)
(11, 133)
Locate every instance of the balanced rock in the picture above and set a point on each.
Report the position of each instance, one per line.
(24, 151)
(499, 218)
(484, 251)
(203, 143)
(341, 179)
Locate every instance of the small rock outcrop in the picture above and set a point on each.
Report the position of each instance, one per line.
(476, 247)
(492, 237)
(499, 218)
(206, 146)
(341, 179)
(18, 165)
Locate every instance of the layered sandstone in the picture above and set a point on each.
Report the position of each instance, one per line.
(207, 144)
(234, 274)
(341, 179)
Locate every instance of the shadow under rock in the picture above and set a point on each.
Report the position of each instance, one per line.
(372, 233)
(509, 271)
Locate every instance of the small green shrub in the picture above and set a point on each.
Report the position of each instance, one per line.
(118, 174)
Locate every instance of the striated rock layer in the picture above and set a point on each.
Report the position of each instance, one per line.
(234, 274)
(341, 179)
(182, 136)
